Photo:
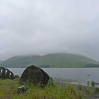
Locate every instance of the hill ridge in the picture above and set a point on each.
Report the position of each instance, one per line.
(53, 60)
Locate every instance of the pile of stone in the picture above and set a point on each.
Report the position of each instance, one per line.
(6, 74)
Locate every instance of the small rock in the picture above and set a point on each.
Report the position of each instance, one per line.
(16, 76)
(22, 89)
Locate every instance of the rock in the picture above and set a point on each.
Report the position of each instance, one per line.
(22, 89)
(16, 76)
(35, 75)
(6, 74)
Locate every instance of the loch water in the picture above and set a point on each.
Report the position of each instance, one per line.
(68, 75)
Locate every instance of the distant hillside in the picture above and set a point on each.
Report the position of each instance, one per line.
(19, 61)
(64, 60)
(50, 60)
(0, 61)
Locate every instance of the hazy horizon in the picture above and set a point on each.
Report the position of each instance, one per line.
(45, 26)
(46, 54)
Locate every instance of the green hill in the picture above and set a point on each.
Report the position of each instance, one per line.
(64, 60)
(19, 61)
(61, 60)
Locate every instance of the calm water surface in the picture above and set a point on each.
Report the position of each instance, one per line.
(70, 75)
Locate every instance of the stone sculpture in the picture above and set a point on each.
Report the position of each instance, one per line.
(35, 75)
(5, 73)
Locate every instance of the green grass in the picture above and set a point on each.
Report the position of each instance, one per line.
(8, 90)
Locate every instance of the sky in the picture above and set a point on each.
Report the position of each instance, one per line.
(39, 27)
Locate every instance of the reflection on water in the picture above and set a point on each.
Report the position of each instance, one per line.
(71, 75)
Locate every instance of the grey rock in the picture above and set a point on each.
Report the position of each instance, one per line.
(22, 89)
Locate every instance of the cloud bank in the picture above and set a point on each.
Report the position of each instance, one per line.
(49, 26)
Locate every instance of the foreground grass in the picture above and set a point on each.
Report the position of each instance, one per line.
(8, 90)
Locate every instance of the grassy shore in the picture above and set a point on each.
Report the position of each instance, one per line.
(8, 90)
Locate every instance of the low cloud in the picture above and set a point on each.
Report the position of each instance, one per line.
(47, 26)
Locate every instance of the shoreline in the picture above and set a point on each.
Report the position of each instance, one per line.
(54, 89)
(87, 91)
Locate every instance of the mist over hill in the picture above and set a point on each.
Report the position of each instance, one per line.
(63, 60)
(56, 60)
(0, 61)
(19, 61)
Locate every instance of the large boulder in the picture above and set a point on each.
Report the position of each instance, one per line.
(35, 75)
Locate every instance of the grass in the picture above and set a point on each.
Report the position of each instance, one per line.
(92, 84)
(8, 90)
(96, 90)
(89, 91)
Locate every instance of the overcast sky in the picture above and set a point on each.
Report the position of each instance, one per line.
(49, 26)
